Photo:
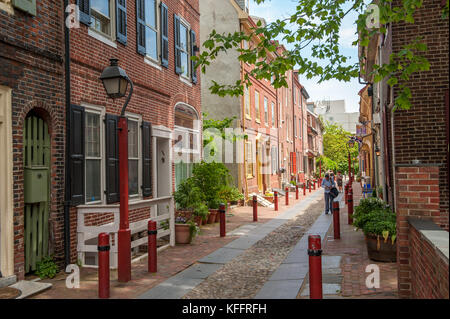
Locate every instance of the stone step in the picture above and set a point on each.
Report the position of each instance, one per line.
(262, 201)
(29, 288)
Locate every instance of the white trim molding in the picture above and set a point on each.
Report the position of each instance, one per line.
(6, 180)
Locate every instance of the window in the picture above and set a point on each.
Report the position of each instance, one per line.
(93, 157)
(133, 157)
(151, 29)
(300, 128)
(184, 45)
(266, 111)
(273, 114)
(101, 16)
(258, 113)
(247, 102)
(249, 159)
(295, 125)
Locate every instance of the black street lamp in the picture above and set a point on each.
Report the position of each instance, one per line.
(377, 151)
(115, 80)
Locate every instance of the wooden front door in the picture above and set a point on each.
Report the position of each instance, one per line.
(36, 156)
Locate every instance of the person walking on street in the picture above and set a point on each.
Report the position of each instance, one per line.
(327, 184)
(339, 179)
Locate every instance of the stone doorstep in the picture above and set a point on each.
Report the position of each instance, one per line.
(29, 288)
(7, 281)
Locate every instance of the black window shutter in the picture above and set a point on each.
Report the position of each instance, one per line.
(146, 159)
(112, 159)
(76, 157)
(176, 32)
(164, 36)
(85, 11)
(140, 26)
(193, 44)
(121, 21)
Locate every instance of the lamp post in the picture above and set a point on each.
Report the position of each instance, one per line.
(115, 81)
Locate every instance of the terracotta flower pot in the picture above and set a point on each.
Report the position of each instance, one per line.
(379, 250)
(183, 213)
(198, 220)
(212, 215)
(182, 234)
(269, 198)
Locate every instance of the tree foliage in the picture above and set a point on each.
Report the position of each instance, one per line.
(316, 23)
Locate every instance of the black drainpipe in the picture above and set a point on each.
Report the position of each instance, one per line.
(67, 190)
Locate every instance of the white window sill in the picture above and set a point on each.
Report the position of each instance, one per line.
(152, 63)
(101, 38)
(185, 80)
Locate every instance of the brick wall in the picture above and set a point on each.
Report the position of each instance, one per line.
(429, 268)
(31, 56)
(417, 196)
(420, 133)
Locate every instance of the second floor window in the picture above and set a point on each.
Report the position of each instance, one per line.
(258, 113)
(151, 29)
(101, 17)
(247, 101)
(266, 111)
(273, 114)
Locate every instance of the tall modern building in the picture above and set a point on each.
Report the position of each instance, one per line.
(335, 112)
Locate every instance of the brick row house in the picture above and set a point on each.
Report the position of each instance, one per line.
(32, 133)
(153, 41)
(413, 163)
(59, 173)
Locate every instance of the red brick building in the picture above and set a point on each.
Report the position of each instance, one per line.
(32, 134)
(153, 41)
(414, 153)
(260, 123)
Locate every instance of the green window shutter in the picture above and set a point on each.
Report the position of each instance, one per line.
(112, 159)
(164, 35)
(28, 6)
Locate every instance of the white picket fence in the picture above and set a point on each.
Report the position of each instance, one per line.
(161, 209)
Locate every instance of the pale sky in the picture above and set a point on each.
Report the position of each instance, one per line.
(271, 10)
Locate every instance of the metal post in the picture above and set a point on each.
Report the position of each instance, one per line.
(124, 233)
(255, 208)
(315, 267)
(222, 220)
(103, 265)
(275, 200)
(314, 185)
(350, 206)
(304, 188)
(287, 196)
(296, 191)
(336, 221)
(152, 255)
(346, 192)
(310, 186)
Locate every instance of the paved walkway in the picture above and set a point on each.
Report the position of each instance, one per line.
(348, 280)
(182, 283)
(173, 260)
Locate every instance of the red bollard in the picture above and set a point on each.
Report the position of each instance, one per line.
(336, 221)
(304, 189)
(275, 200)
(255, 208)
(314, 185)
(310, 186)
(103, 265)
(315, 267)
(152, 255)
(287, 196)
(350, 206)
(296, 191)
(222, 220)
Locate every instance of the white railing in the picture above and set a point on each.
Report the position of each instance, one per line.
(161, 209)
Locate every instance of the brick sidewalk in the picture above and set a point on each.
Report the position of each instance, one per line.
(352, 248)
(170, 261)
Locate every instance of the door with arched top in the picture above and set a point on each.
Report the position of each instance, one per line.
(36, 157)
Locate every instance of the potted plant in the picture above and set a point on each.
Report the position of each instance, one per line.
(200, 214)
(378, 223)
(185, 230)
(188, 199)
(213, 206)
(227, 195)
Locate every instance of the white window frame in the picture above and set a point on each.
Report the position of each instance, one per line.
(266, 111)
(112, 22)
(157, 29)
(101, 112)
(257, 109)
(188, 44)
(137, 118)
(272, 104)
